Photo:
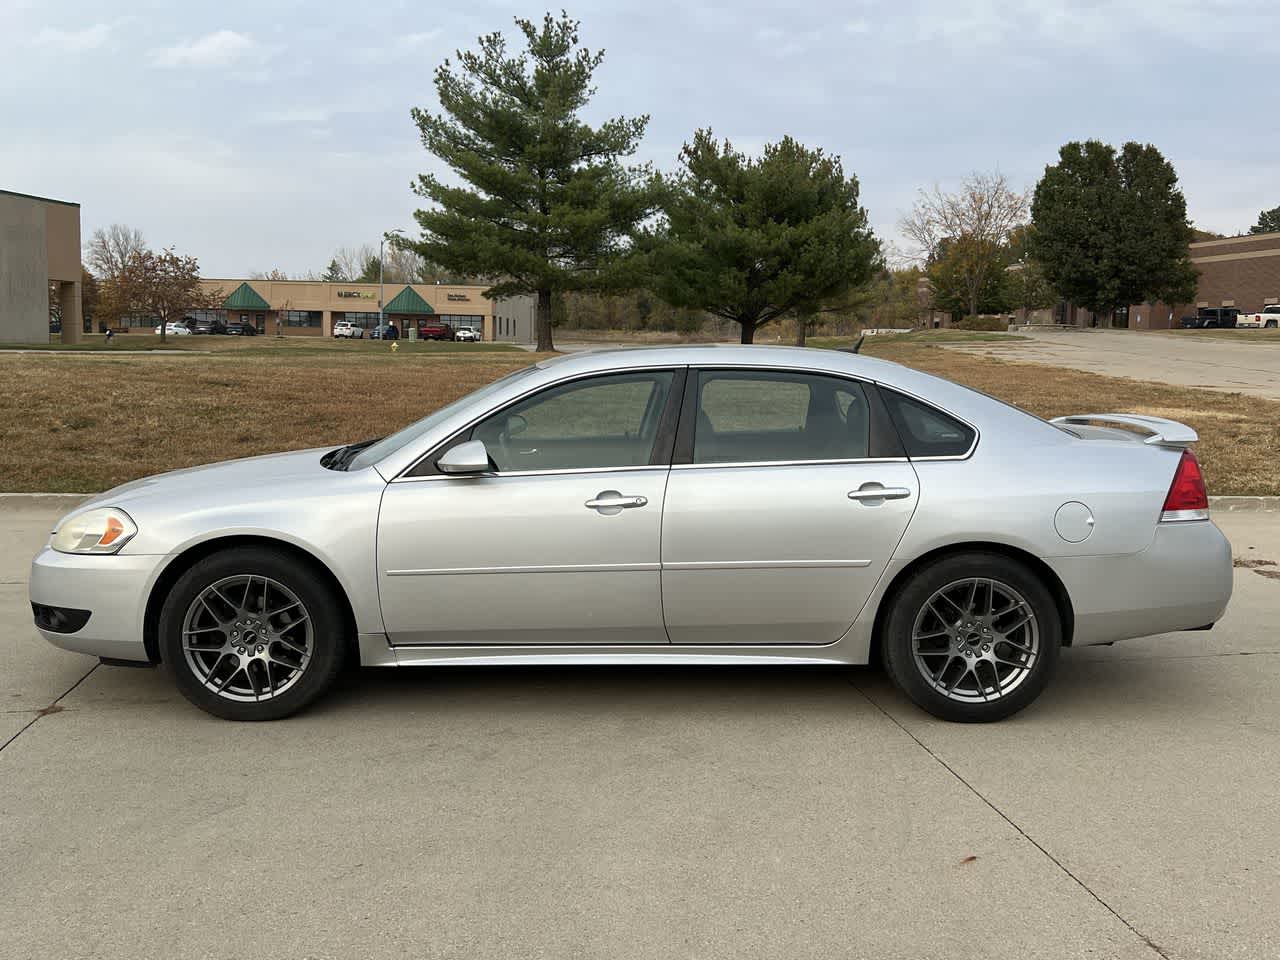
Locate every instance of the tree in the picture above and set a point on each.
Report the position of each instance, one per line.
(88, 295)
(370, 270)
(273, 274)
(754, 239)
(111, 247)
(1268, 221)
(1024, 284)
(545, 205)
(952, 275)
(333, 273)
(1111, 227)
(974, 224)
(158, 285)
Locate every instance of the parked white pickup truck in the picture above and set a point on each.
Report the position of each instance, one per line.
(1269, 316)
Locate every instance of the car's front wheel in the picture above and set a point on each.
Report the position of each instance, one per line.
(252, 634)
(972, 637)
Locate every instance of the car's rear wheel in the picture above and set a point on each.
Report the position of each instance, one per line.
(252, 634)
(1271, 324)
(972, 637)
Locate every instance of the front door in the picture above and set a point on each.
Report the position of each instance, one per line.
(781, 523)
(559, 544)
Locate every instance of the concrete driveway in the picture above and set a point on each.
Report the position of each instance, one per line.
(666, 813)
(1215, 362)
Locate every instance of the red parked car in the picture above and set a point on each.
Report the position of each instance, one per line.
(435, 331)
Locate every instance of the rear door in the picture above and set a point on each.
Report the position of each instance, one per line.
(787, 497)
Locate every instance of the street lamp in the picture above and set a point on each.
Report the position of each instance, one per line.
(382, 244)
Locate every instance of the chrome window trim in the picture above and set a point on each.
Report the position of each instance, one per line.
(492, 475)
(787, 463)
(535, 568)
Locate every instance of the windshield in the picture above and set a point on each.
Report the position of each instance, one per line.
(389, 445)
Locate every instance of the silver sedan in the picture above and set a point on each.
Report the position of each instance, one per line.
(688, 505)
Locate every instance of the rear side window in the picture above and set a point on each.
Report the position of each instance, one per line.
(926, 431)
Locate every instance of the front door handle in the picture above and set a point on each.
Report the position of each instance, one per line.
(611, 502)
(873, 491)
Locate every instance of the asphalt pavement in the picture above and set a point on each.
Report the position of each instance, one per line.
(666, 813)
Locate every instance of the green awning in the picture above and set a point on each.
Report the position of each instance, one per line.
(245, 298)
(408, 301)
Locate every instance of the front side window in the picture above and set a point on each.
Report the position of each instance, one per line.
(774, 416)
(599, 423)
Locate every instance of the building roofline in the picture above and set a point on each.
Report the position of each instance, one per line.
(1241, 238)
(32, 196)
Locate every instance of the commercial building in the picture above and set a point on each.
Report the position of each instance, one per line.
(39, 253)
(312, 307)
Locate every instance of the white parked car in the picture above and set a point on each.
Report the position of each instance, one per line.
(347, 330)
(175, 329)
(466, 335)
(1267, 317)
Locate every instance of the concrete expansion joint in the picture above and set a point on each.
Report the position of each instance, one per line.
(1151, 944)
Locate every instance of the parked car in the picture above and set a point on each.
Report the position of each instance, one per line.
(175, 328)
(206, 327)
(743, 505)
(385, 331)
(435, 330)
(1267, 317)
(1224, 317)
(347, 330)
(467, 335)
(241, 328)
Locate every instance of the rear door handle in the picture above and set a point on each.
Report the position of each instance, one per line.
(876, 492)
(609, 500)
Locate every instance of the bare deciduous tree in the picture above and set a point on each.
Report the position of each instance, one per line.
(111, 247)
(158, 285)
(972, 226)
(275, 273)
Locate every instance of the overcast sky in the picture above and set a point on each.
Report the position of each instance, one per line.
(268, 133)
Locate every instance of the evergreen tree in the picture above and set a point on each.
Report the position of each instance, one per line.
(545, 205)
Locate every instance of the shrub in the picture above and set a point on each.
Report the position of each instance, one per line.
(983, 323)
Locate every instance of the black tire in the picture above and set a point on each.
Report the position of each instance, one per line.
(1270, 325)
(909, 604)
(327, 638)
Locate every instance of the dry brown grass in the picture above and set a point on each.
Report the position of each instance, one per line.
(1239, 435)
(89, 422)
(86, 422)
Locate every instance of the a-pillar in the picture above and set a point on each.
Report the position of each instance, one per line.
(69, 304)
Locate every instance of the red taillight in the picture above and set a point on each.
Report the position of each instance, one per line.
(1187, 499)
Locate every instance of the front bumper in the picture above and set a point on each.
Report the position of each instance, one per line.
(1180, 582)
(114, 589)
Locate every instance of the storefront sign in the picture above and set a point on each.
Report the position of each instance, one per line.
(361, 294)
(457, 296)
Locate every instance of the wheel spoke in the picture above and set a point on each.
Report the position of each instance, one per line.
(279, 610)
(971, 604)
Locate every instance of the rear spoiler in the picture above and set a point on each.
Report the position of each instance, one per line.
(1162, 432)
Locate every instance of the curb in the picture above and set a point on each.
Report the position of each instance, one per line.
(1223, 504)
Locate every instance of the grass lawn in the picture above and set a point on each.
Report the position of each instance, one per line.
(90, 421)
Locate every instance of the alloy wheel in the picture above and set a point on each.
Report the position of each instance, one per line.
(975, 640)
(247, 638)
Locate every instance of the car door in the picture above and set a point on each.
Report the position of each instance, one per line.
(788, 494)
(559, 543)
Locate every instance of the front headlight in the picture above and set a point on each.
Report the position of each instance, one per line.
(105, 530)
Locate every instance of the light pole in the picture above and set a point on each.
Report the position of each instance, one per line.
(382, 244)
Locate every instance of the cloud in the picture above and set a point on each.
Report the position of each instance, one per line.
(72, 41)
(418, 41)
(212, 50)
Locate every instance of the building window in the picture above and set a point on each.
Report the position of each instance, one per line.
(366, 320)
(213, 316)
(300, 318)
(463, 321)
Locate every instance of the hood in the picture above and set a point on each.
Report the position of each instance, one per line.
(231, 480)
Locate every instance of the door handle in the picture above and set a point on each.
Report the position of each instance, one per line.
(869, 492)
(615, 501)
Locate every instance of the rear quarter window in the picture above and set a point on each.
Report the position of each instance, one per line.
(925, 430)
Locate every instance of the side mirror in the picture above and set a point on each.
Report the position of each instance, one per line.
(469, 457)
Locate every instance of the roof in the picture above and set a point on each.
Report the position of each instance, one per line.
(32, 196)
(407, 301)
(245, 298)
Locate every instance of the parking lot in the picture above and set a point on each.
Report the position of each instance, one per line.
(561, 813)
(1237, 361)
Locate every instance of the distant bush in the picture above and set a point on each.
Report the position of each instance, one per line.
(983, 323)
